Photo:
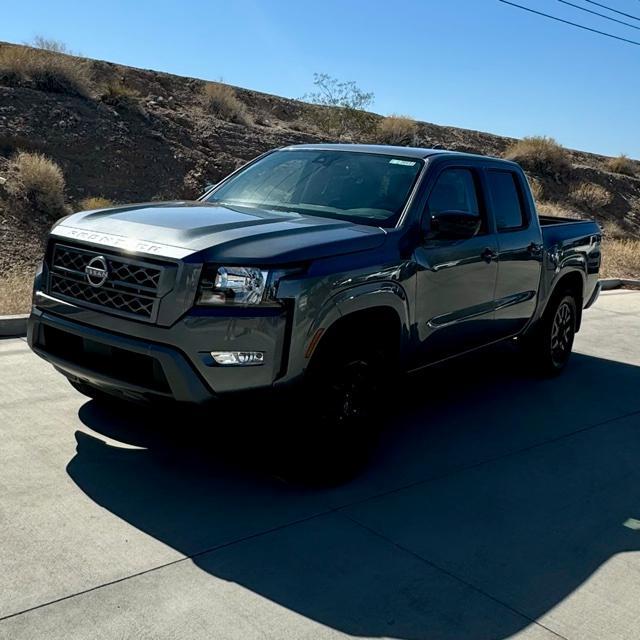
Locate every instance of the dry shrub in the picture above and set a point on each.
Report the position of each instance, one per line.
(94, 202)
(591, 196)
(537, 189)
(398, 130)
(38, 182)
(44, 70)
(622, 164)
(620, 258)
(222, 101)
(540, 154)
(117, 93)
(556, 210)
(15, 291)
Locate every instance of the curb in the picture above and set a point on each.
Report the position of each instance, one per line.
(13, 326)
(617, 283)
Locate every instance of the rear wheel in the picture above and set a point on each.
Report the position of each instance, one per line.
(551, 343)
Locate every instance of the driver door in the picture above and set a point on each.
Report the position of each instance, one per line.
(457, 268)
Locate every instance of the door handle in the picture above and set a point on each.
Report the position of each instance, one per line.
(488, 255)
(534, 248)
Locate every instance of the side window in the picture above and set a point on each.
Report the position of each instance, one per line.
(507, 200)
(455, 190)
(454, 206)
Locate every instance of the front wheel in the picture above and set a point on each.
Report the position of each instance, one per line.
(338, 417)
(551, 343)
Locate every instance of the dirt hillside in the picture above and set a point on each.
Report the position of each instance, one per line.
(137, 135)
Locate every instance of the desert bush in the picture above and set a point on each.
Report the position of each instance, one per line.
(117, 93)
(38, 182)
(395, 129)
(540, 154)
(94, 202)
(537, 189)
(613, 229)
(591, 196)
(223, 102)
(622, 164)
(557, 210)
(43, 70)
(118, 89)
(340, 107)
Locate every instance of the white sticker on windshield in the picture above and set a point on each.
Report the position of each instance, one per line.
(404, 163)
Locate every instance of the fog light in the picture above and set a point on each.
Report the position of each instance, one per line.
(238, 358)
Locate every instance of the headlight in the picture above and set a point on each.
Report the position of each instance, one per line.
(232, 285)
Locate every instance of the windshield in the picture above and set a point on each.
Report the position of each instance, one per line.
(365, 188)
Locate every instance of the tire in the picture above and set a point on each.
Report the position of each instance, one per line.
(338, 417)
(550, 344)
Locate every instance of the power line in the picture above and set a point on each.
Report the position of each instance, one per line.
(604, 6)
(573, 24)
(602, 15)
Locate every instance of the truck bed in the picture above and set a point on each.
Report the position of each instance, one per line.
(546, 221)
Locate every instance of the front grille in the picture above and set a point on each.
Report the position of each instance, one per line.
(132, 287)
(69, 288)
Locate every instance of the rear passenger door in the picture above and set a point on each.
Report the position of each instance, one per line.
(519, 250)
(456, 270)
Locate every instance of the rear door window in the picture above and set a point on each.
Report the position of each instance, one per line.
(507, 200)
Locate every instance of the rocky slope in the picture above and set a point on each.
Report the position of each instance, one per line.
(159, 141)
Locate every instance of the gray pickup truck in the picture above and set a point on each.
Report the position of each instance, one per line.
(319, 268)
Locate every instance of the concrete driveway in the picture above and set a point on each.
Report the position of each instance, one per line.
(498, 506)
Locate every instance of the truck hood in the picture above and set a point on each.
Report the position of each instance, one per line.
(215, 233)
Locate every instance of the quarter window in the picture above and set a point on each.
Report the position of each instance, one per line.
(507, 200)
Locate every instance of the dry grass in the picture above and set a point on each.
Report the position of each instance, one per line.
(620, 258)
(591, 196)
(540, 154)
(38, 182)
(44, 70)
(94, 202)
(398, 130)
(15, 291)
(222, 101)
(622, 164)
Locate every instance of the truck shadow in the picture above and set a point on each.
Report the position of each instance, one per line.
(525, 523)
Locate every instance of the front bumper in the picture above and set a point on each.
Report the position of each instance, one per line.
(141, 361)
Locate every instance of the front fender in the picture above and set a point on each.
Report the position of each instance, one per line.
(307, 334)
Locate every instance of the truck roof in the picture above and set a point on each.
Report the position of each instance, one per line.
(385, 149)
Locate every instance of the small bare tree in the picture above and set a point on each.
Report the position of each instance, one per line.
(340, 107)
(49, 44)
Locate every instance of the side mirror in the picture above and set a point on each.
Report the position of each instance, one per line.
(453, 225)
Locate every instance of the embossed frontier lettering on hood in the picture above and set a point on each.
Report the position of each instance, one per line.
(179, 229)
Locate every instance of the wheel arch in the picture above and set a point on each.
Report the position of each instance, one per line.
(381, 324)
(574, 282)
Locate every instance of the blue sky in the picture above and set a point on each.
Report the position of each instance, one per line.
(478, 64)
